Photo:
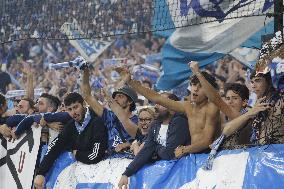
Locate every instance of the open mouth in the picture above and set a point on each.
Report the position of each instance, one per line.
(75, 117)
(156, 110)
(144, 127)
(194, 95)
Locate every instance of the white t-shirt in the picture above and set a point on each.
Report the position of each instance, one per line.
(162, 137)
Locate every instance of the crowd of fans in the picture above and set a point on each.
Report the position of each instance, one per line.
(173, 129)
(34, 56)
(101, 111)
(238, 108)
(22, 18)
(157, 130)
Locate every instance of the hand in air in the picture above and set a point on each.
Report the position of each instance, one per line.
(194, 66)
(124, 74)
(85, 85)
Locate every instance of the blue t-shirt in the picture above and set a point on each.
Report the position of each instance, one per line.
(116, 132)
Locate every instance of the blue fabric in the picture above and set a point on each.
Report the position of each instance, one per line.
(264, 169)
(62, 117)
(94, 186)
(206, 50)
(162, 19)
(80, 128)
(214, 146)
(44, 149)
(180, 59)
(175, 67)
(255, 41)
(114, 125)
(26, 122)
(14, 120)
(64, 160)
(277, 74)
(24, 125)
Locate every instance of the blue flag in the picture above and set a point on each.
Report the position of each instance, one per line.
(209, 41)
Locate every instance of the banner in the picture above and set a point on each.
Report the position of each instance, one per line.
(151, 58)
(18, 160)
(259, 167)
(277, 73)
(89, 49)
(209, 41)
(68, 174)
(246, 56)
(146, 72)
(248, 53)
(20, 93)
(113, 62)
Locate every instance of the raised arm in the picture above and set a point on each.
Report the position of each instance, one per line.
(130, 127)
(30, 86)
(150, 94)
(86, 92)
(212, 93)
(240, 121)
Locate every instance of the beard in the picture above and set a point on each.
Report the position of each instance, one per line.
(123, 105)
(163, 115)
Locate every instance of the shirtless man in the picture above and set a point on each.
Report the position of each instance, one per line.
(234, 105)
(203, 116)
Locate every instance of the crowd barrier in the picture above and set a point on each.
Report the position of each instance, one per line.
(258, 168)
(18, 159)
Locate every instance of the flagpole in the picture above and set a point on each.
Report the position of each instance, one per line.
(278, 15)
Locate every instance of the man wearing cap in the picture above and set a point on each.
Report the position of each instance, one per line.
(121, 125)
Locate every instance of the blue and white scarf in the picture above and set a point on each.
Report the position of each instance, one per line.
(80, 128)
(215, 146)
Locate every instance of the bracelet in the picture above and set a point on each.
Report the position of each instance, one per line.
(197, 73)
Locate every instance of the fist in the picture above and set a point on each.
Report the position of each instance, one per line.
(123, 183)
(39, 181)
(194, 66)
(179, 151)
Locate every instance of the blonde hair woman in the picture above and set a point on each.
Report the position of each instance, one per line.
(145, 118)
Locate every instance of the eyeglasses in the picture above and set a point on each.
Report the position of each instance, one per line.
(147, 120)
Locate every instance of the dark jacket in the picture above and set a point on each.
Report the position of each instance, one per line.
(24, 122)
(177, 134)
(91, 144)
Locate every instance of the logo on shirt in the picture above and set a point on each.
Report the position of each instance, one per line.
(116, 140)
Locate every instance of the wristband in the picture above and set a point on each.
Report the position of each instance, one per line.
(197, 73)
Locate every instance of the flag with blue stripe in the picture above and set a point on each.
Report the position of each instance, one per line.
(207, 42)
(89, 49)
